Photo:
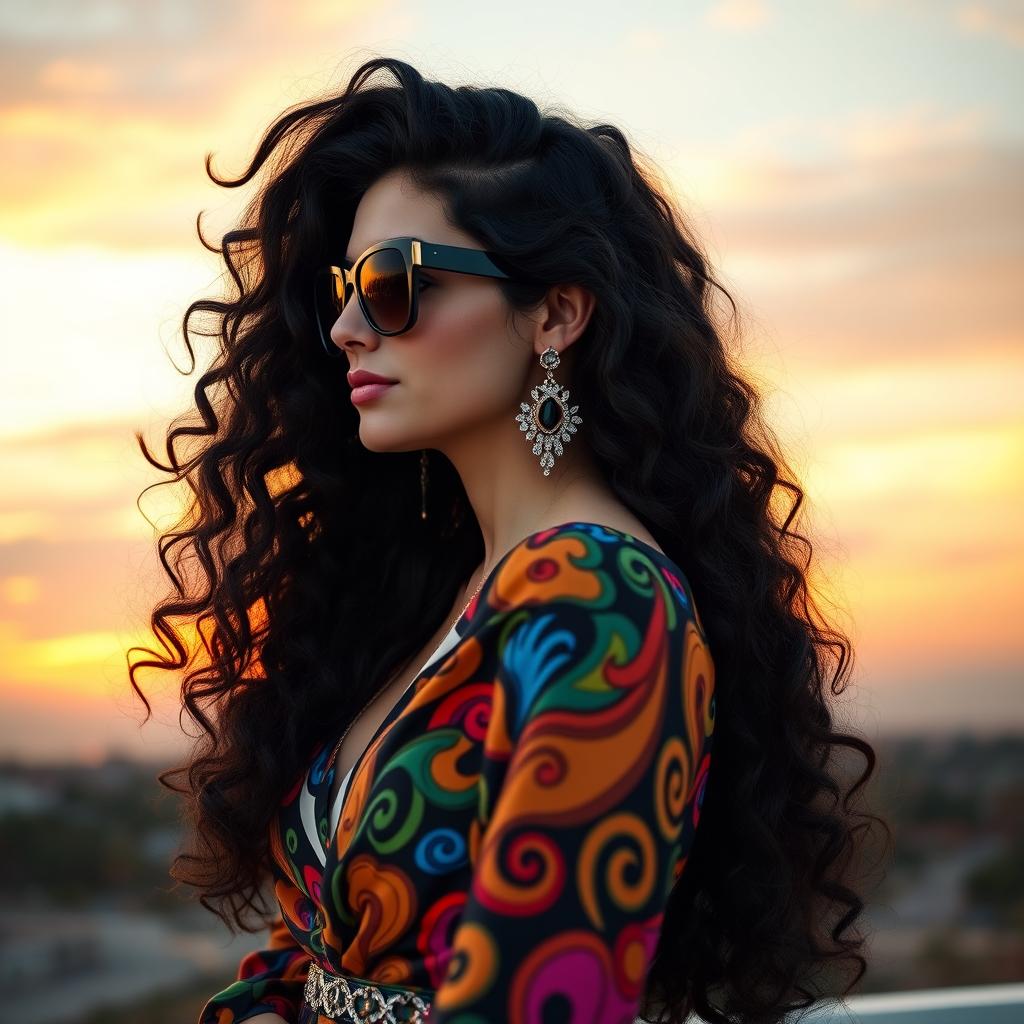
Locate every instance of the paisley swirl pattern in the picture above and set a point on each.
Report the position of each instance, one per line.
(507, 841)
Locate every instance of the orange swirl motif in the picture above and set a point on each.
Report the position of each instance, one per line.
(532, 575)
(625, 858)
(392, 970)
(672, 787)
(698, 687)
(471, 969)
(386, 905)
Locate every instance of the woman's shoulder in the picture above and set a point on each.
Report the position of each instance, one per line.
(579, 617)
(588, 566)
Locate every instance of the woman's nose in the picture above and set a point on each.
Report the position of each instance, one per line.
(351, 328)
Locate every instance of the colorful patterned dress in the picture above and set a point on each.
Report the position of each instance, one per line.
(506, 843)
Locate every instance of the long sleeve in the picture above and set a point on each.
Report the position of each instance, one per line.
(595, 761)
(269, 980)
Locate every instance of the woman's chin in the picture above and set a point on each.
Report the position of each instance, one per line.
(377, 440)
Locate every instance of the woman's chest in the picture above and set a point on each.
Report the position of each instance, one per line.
(414, 790)
(368, 723)
(366, 726)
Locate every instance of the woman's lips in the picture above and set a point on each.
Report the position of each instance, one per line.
(366, 392)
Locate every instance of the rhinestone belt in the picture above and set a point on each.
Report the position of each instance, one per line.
(350, 1000)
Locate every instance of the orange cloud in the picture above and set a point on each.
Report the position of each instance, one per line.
(1003, 20)
(738, 15)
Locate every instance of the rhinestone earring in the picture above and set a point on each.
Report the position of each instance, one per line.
(550, 415)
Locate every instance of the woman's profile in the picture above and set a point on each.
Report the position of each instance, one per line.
(511, 691)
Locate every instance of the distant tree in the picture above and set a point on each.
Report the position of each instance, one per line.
(999, 885)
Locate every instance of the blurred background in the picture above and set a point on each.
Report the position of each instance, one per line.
(856, 172)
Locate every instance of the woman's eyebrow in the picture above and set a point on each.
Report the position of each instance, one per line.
(351, 259)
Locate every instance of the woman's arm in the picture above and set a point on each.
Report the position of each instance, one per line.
(594, 761)
(268, 984)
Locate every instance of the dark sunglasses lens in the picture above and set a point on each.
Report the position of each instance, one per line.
(384, 284)
(329, 300)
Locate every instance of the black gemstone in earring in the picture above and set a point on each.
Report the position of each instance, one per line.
(550, 416)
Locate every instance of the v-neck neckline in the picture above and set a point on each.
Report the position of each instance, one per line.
(399, 706)
(396, 710)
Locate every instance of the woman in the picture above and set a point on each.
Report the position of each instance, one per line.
(460, 710)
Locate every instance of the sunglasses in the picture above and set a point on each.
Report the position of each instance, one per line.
(386, 282)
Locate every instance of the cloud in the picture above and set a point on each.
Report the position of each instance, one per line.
(43, 723)
(937, 700)
(54, 21)
(108, 109)
(883, 235)
(77, 483)
(1003, 20)
(63, 75)
(645, 40)
(738, 15)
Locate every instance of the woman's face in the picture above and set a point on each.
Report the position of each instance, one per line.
(460, 368)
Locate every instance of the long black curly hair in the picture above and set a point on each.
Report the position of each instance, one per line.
(766, 907)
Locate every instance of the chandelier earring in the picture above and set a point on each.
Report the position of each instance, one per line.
(550, 420)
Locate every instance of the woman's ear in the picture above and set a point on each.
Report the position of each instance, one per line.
(562, 317)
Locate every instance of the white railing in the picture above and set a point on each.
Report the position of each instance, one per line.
(972, 1004)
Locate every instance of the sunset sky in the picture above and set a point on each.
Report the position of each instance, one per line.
(855, 169)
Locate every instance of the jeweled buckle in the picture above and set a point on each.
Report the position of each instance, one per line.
(364, 1002)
